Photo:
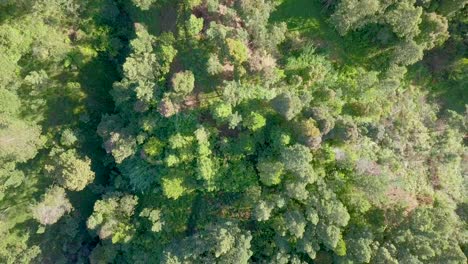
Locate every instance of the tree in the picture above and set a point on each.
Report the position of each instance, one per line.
(434, 30)
(358, 243)
(352, 14)
(270, 172)
(309, 133)
(153, 147)
(120, 145)
(14, 248)
(287, 105)
(112, 215)
(410, 21)
(237, 50)
(19, 140)
(254, 121)
(222, 111)
(332, 215)
(53, 206)
(9, 103)
(148, 63)
(324, 119)
(72, 172)
(235, 92)
(10, 177)
(192, 3)
(144, 4)
(450, 7)
(255, 14)
(213, 66)
(193, 26)
(407, 53)
(345, 130)
(263, 210)
(167, 107)
(183, 82)
(141, 174)
(296, 223)
(205, 165)
(173, 188)
(104, 252)
(68, 138)
(336, 162)
(296, 159)
(222, 243)
(154, 216)
(234, 120)
(404, 19)
(426, 236)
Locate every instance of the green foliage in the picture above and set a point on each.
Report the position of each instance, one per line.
(53, 206)
(144, 4)
(72, 172)
(9, 102)
(193, 26)
(247, 131)
(154, 216)
(120, 146)
(139, 172)
(254, 121)
(409, 21)
(173, 188)
(183, 82)
(237, 50)
(192, 3)
(223, 243)
(434, 30)
(153, 147)
(288, 105)
(430, 230)
(222, 111)
(19, 141)
(309, 133)
(349, 14)
(205, 166)
(68, 138)
(270, 172)
(213, 65)
(14, 247)
(449, 8)
(408, 53)
(404, 19)
(296, 159)
(112, 215)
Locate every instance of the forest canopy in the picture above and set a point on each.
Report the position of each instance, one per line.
(234, 131)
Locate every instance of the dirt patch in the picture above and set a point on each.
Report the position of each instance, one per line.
(398, 195)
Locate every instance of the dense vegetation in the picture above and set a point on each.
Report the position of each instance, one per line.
(233, 131)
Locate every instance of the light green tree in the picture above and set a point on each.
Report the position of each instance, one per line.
(112, 217)
(270, 172)
(183, 82)
(404, 19)
(144, 4)
(71, 171)
(173, 188)
(237, 50)
(254, 121)
(53, 206)
(193, 26)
